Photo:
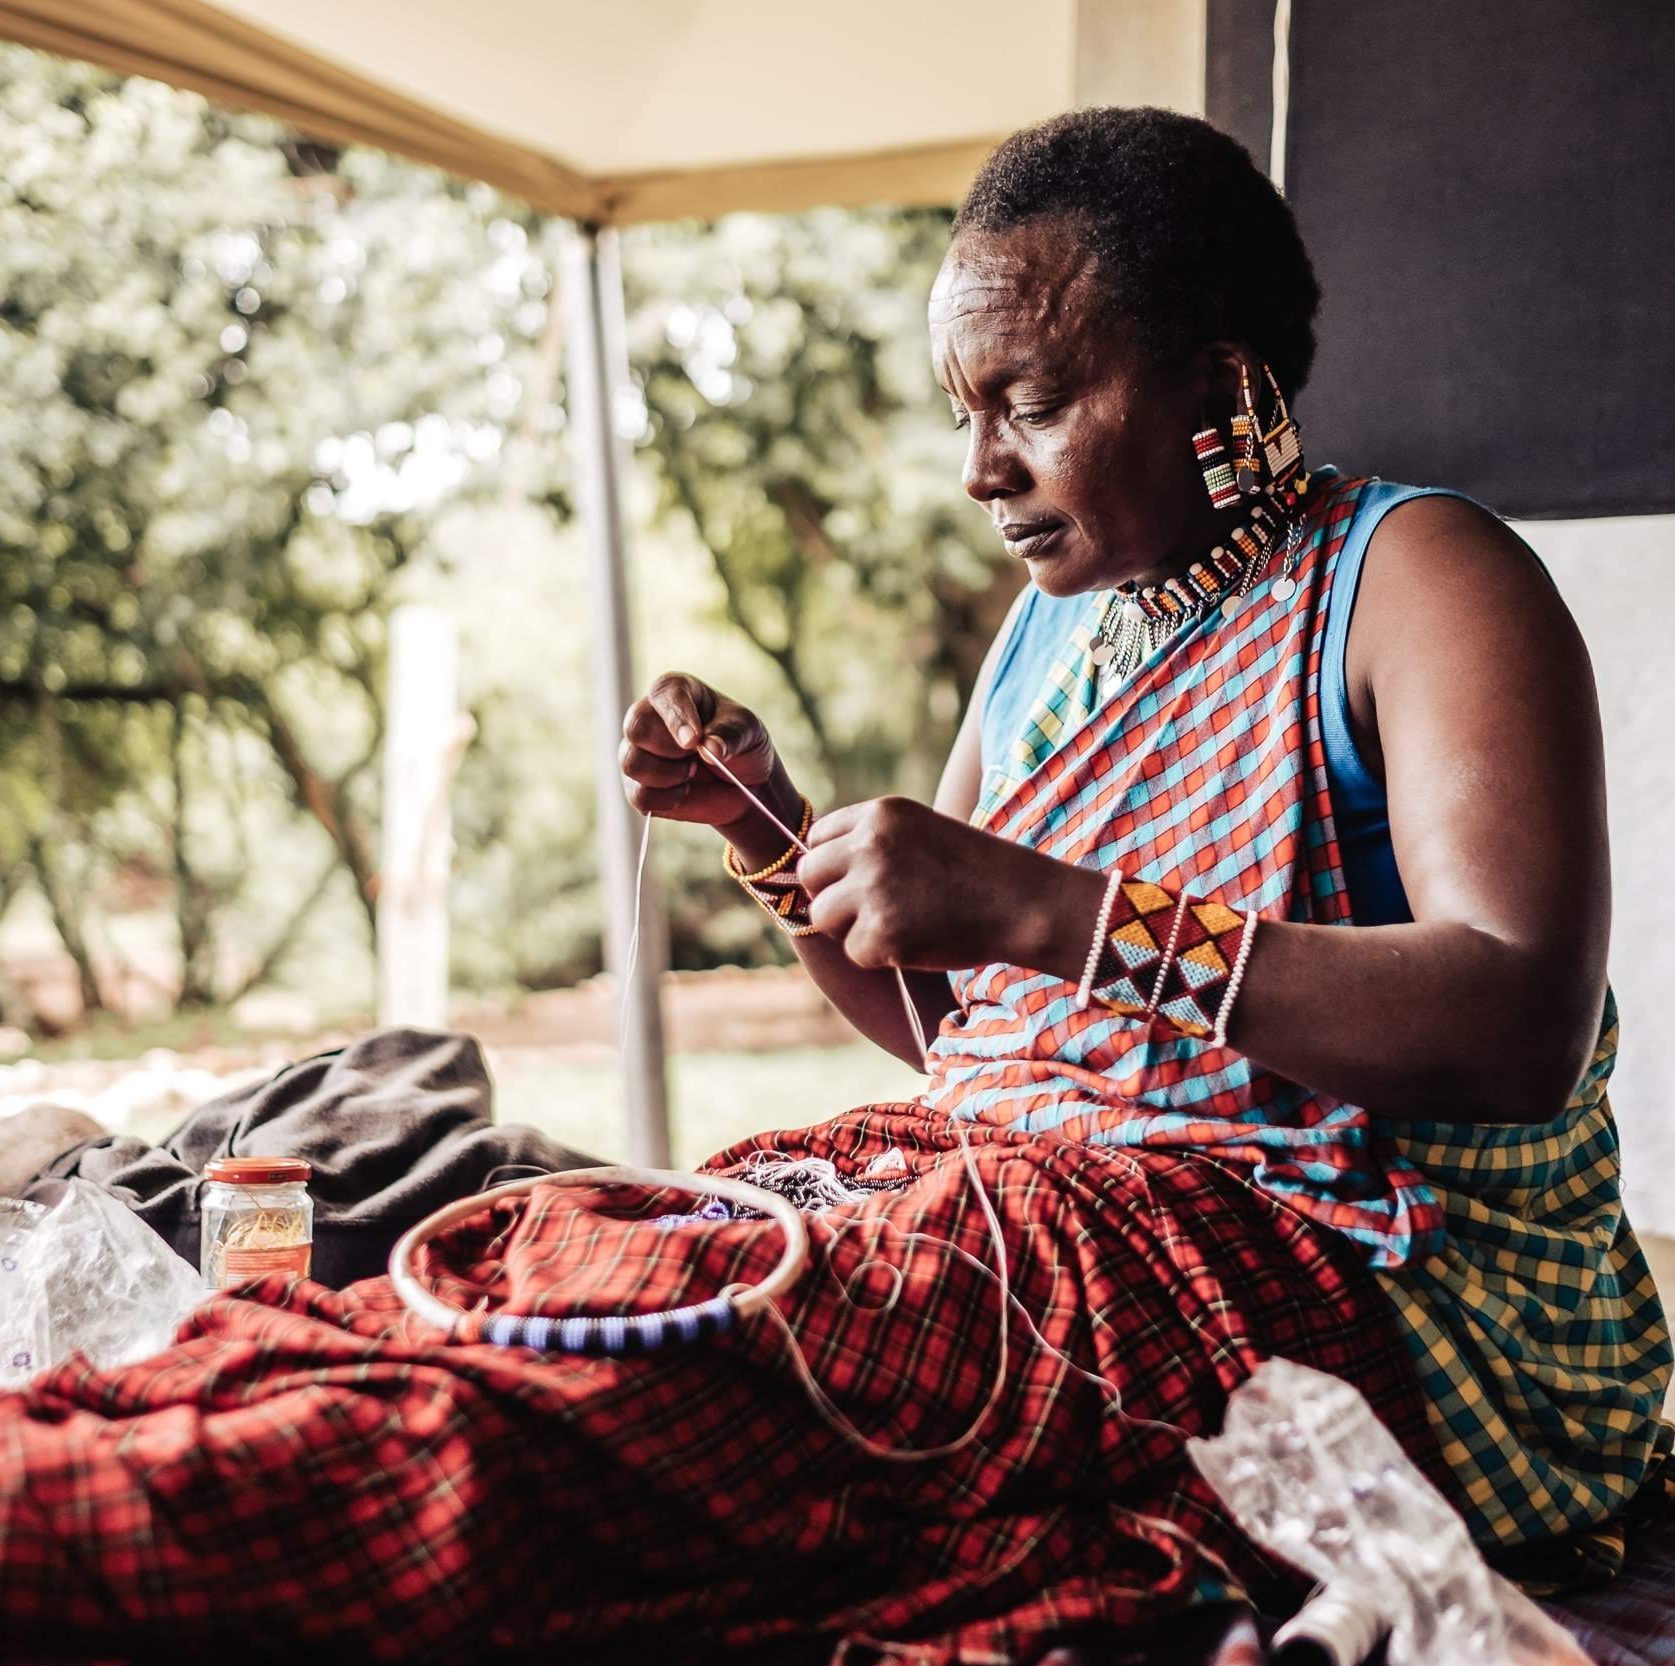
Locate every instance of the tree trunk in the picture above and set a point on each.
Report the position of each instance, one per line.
(66, 921)
(326, 801)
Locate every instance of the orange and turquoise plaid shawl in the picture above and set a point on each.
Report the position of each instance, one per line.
(1204, 771)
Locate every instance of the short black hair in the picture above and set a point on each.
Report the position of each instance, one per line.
(1192, 242)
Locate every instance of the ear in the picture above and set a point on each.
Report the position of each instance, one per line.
(1221, 366)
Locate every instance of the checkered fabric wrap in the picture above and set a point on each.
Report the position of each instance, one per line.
(1205, 773)
(313, 1469)
(1536, 1329)
(1526, 1303)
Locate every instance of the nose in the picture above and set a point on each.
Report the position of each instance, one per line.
(993, 468)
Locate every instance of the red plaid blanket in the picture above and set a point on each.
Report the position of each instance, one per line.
(309, 1467)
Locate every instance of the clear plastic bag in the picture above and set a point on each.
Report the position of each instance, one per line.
(1306, 1468)
(85, 1276)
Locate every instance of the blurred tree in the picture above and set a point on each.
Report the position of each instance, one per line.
(232, 388)
(794, 422)
(255, 391)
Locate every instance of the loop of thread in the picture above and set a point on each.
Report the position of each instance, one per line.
(1000, 1273)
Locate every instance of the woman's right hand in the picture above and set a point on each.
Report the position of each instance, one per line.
(664, 775)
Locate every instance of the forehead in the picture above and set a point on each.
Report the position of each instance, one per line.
(1026, 297)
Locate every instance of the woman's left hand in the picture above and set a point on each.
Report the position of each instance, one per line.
(896, 883)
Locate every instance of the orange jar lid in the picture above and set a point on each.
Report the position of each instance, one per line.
(258, 1171)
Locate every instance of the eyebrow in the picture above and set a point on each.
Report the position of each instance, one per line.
(1007, 373)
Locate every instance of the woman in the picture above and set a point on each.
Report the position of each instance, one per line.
(1375, 712)
(1178, 1120)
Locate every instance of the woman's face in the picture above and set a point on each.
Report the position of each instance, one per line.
(1078, 446)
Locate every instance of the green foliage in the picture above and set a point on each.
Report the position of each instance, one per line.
(796, 425)
(254, 393)
(234, 390)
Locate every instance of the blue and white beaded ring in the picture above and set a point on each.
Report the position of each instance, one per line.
(609, 1333)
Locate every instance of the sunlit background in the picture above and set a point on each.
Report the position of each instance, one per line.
(256, 394)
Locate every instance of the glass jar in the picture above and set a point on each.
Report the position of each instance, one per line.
(257, 1218)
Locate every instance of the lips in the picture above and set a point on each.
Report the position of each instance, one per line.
(1029, 538)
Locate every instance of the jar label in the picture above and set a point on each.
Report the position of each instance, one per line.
(240, 1264)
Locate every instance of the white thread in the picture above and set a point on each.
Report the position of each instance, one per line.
(823, 1402)
(625, 995)
(917, 1454)
(886, 1306)
(907, 1002)
(1084, 990)
(715, 763)
(1008, 1302)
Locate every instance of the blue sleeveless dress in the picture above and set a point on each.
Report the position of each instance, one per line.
(1042, 625)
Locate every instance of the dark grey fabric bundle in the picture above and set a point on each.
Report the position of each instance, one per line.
(395, 1125)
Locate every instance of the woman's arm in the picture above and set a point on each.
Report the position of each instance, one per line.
(1471, 693)
(869, 997)
(1470, 680)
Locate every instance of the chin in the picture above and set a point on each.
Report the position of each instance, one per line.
(1069, 574)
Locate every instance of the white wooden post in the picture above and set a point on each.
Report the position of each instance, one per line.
(426, 736)
(595, 367)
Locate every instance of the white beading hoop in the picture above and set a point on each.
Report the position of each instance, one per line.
(607, 1333)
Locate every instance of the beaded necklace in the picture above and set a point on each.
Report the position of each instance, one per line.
(1138, 620)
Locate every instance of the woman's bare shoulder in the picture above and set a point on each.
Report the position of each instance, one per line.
(1444, 571)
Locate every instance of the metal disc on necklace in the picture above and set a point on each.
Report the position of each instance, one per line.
(1285, 587)
(1230, 606)
(1103, 652)
(1244, 477)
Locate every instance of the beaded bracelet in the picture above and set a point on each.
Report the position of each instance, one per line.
(1174, 958)
(1102, 924)
(784, 899)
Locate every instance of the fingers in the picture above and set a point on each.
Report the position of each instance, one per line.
(658, 801)
(835, 823)
(733, 733)
(822, 868)
(839, 913)
(655, 769)
(834, 912)
(684, 704)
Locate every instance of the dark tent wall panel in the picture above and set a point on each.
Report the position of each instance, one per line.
(1486, 189)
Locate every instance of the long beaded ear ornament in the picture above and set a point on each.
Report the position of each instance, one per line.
(1247, 475)
(1282, 445)
(1218, 472)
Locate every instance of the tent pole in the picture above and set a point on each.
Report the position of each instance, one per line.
(596, 365)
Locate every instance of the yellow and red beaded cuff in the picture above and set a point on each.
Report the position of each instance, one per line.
(773, 887)
(1173, 957)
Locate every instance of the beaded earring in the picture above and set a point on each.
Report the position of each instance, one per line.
(1282, 445)
(1247, 474)
(1218, 472)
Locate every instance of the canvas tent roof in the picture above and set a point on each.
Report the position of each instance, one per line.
(654, 109)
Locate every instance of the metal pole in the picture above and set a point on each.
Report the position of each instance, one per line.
(596, 367)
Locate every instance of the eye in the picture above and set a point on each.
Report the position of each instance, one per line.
(1039, 416)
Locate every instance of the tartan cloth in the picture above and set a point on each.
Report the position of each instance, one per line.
(1527, 1306)
(1536, 1329)
(308, 1468)
(1203, 772)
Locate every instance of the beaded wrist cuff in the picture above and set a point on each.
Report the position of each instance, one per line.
(773, 888)
(1172, 957)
